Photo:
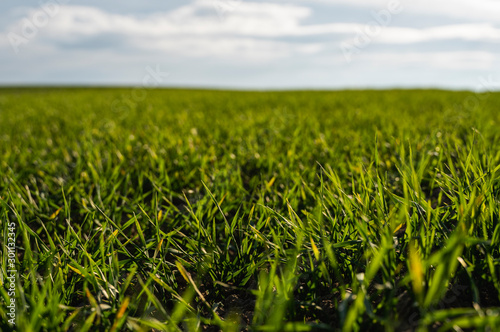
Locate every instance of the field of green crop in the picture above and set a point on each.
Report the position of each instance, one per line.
(187, 210)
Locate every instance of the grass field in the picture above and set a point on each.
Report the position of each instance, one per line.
(266, 211)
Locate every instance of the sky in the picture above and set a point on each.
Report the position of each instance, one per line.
(297, 44)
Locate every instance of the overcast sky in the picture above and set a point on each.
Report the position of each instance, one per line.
(252, 44)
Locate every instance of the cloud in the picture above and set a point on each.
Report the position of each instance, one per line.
(477, 60)
(250, 31)
(465, 32)
(193, 30)
(266, 40)
(478, 10)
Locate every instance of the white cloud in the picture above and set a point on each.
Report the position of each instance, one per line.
(191, 30)
(476, 60)
(262, 20)
(198, 18)
(284, 36)
(467, 32)
(461, 9)
(251, 31)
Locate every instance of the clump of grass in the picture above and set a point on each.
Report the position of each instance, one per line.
(276, 211)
